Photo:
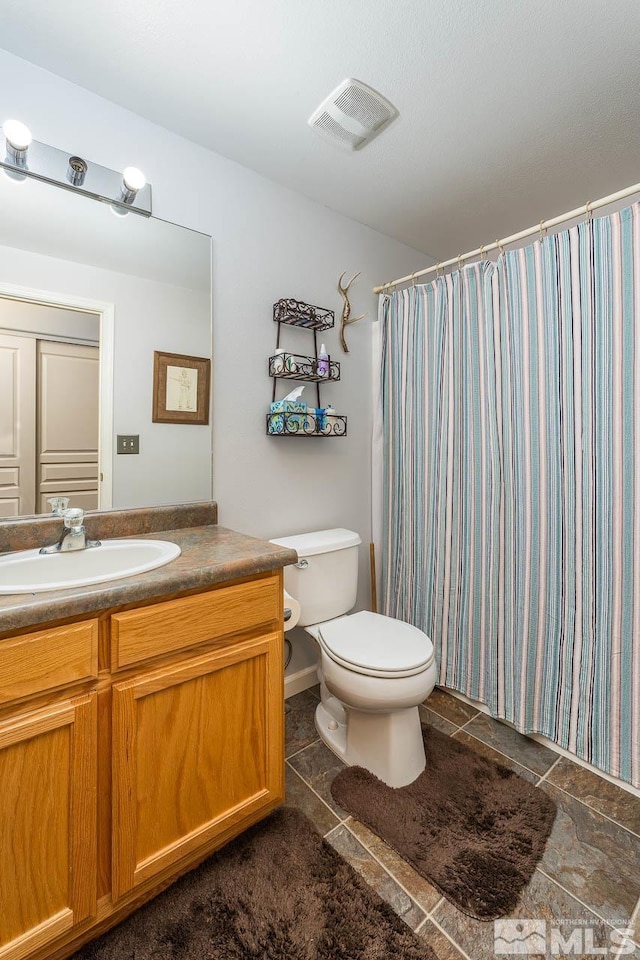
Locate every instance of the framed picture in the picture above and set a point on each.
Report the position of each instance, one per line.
(180, 388)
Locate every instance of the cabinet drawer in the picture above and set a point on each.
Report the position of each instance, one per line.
(36, 662)
(138, 635)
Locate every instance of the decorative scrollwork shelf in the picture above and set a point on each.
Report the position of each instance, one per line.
(306, 425)
(300, 314)
(295, 366)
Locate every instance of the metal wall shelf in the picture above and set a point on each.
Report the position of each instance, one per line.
(300, 314)
(294, 366)
(310, 423)
(306, 425)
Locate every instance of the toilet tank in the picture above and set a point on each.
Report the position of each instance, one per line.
(326, 586)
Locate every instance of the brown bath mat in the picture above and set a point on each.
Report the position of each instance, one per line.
(278, 892)
(474, 829)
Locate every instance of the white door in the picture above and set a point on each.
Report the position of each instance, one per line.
(68, 423)
(17, 426)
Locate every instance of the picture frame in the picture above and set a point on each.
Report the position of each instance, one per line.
(181, 388)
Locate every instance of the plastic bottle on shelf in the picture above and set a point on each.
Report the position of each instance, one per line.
(277, 365)
(290, 364)
(330, 421)
(322, 365)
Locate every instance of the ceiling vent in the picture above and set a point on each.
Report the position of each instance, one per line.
(352, 115)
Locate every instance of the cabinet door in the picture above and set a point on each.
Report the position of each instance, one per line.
(197, 749)
(48, 807)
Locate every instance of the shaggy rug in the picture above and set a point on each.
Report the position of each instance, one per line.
(277, 892)
(474, 829)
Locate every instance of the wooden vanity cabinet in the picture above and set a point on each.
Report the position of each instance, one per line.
(47, 824)
(124, 777)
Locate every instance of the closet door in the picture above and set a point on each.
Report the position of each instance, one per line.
(17, 426)
(68, 427)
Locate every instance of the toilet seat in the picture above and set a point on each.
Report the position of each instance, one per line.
(376, 646)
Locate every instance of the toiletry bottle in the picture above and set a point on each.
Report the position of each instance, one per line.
(329, 424)
(290, 364)
(277, 365)
(322, 365)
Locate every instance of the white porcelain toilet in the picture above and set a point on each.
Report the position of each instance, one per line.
(374, 671)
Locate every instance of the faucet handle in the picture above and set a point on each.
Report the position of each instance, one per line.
(58, 505)
(73, 517)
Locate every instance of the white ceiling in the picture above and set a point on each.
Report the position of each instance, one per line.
(510, 110)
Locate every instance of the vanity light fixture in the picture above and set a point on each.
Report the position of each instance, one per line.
(125, 192)
(18, 140)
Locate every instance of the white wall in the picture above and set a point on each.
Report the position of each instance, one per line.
(268, 243)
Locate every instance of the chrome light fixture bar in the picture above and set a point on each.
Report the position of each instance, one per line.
(21, 157)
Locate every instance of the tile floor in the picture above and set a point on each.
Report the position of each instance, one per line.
(586, 887)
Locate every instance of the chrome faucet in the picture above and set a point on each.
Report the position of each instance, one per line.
(73, 536)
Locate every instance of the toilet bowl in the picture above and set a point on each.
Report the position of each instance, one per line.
(374, 671)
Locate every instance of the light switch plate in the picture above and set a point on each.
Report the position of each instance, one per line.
(128, 443)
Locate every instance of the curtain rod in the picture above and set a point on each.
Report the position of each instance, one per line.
(540, 228)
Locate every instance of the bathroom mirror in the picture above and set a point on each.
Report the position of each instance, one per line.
(87, 296)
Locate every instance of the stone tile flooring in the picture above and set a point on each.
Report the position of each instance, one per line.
(587, 886)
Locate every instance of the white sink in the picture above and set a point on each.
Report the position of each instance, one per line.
(30, 571)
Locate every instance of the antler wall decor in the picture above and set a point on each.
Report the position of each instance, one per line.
(346, 310)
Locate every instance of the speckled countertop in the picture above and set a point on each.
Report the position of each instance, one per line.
(210, 554)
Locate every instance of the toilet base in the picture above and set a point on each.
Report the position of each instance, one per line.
(389, 745)
(331, 730)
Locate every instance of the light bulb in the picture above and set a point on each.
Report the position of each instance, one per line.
(133, 179)
(18, 137)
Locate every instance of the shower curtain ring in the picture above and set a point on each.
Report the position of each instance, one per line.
(460, 261)
(543, 230)
(587, 208)
(413, 279)
(483, 253)
(438, 269)
(500, 247)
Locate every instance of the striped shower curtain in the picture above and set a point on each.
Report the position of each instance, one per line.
(511, 451)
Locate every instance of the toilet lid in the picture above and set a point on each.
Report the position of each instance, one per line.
(379, 646)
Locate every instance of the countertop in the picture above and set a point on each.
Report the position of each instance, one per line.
(210, 554)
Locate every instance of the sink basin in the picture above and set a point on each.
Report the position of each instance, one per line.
(33, 572)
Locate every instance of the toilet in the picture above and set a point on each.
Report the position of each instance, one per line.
(374, 670)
